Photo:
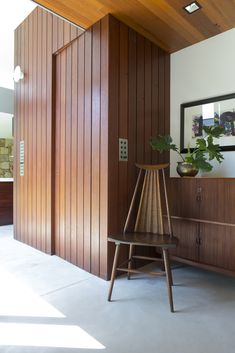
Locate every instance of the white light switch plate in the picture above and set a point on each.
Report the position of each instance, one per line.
(123, 150)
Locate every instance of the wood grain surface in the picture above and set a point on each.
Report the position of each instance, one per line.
(165, 22)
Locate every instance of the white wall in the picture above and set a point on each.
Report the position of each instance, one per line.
(6, 100)
(203, 70)
(5, 125)
(6, 112)
(12, 13)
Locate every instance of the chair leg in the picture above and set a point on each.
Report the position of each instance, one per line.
(115, 260)
(131, 248)
(168, 277)
(170, 273)
(162, 264)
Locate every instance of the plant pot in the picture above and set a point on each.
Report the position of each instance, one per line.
(186, 169)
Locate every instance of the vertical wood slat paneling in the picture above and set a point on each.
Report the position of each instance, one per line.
(74, 161)
(161, 97)
(138, 109)
(87, 150)
(15, 126)
(50, 135)
(95, 149)
(67, 147)
(167, 104)
(16, 129)
(30, 134)
(22, 104)
(110, 81)
(79, 141)
(80, 61)
(67, 32)
(44, 131)
(123, 118)
(140, 131)
(34, 141)
(25, 127)
(60, 30)
(114, 50)
(62, 160)
(39, 191)
(36, 39)
(104, 146)
(57, 149)
(155, 93)
(17, 103)
(54, 31)
(132, 109)
(147, 101)
(141, 70)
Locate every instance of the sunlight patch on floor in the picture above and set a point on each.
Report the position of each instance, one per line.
(44, 335)
(16, 299)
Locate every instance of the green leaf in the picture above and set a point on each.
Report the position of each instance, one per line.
(163, 143)
(214, 152)
(203, 165)
(210, 140)
(214, 130)
(199, 161)
(189, 159)
(204, 152)
(201, 144)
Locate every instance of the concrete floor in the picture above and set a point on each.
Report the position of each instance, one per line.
(48, 305)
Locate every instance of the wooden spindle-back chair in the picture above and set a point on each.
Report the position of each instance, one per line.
(148, 226)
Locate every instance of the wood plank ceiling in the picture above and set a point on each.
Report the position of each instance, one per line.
(164, 22)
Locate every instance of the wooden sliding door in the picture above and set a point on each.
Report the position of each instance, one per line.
(81, 151)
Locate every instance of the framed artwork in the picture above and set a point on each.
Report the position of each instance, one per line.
(212, 111)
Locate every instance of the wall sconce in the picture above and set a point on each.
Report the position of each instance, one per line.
(18, 74)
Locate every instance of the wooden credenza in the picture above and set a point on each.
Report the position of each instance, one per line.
(6, 203)
(203, 219)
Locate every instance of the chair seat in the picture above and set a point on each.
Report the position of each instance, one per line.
(147, 239)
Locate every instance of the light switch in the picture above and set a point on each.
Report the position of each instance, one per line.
(21, 158)
(123, 150)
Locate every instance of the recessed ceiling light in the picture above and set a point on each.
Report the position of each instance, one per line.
(194, 6)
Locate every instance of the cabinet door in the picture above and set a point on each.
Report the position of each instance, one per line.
(6, 203)
(187, 234)
(217, 244)
(217, 199)
(183, 197)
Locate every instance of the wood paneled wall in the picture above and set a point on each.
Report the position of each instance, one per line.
(6, 203)
(139, 103)
(136, 90)
(81, 119)
(111, 82)
(36, 39)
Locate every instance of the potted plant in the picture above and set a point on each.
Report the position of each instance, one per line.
(197, 158)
